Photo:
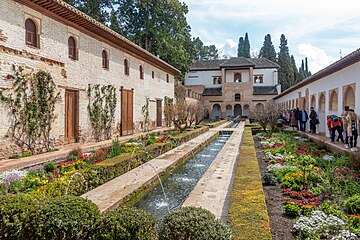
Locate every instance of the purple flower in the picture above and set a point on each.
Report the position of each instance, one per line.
(36, 167)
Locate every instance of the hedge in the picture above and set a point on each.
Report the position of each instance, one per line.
(248, 214)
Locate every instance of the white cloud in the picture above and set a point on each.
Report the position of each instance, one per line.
(227, 49)
(317, 57)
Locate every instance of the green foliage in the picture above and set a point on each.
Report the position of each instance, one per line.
(244, 47)
(22, 155)
(204, 52)
(193, 223)
(14, 211)
(286, 74)
(331, 208)
(270, 179)
(292, 210)
(268, 50)
(352, 205)
(66, 217)
(125, 223)
(31, 105)
(145, 113)
(74, 154)
(116, 148)
(101, 108)
(50, 166)
(94, 8)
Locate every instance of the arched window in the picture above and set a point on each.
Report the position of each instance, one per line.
(72, 48)
(126, 67)
(31, 36)
(167, 78)
(237, 77)
(141, 72)
(105, 59)
(237, 97)
(152, 74)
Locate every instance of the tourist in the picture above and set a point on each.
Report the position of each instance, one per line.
(313, 120)
(334, 125)
(303, 119)
(345, 126)
(293, 119)
(353, 128)
(297, 117)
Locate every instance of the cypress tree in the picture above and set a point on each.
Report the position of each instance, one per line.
(286, 73)
(268, 50)
(241, 47)
(296, 72)
(306, 68)
(246, 46)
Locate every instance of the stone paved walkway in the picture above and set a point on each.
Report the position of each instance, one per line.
(212, 190)
(62, 153)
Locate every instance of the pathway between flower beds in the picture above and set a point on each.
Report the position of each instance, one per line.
(212, 190)
(62, 153)
(112, 194)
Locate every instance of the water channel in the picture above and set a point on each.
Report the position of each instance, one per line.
(181, 182)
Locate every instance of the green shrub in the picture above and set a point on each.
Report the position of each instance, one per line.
(74, 154)
(270, 179)
(49, 167)
(66, 217)
(193, 223)
(125, 223)
(14, 210)
(292, 210)
(352, 205)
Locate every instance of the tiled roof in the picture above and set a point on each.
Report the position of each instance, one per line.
(237, 62)
(212, 92)
(262, 90)
(207, 65)
(233, 62)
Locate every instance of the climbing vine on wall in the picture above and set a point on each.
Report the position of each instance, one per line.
(31, 105)
(145, 113)
(101, 108)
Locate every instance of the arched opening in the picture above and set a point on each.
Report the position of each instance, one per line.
(333, 102)
(237, 97)
(349, 97)
(72, 48)
(141, 72)
(237, 110)
(216, 111)
(105, 60)
(31, 36)
(126, 67)
(313, 102)
(322, 117)
(237, 77)
(246, 111)
(304, 104)
(229, 111)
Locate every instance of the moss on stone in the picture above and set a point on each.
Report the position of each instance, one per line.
(248, 214)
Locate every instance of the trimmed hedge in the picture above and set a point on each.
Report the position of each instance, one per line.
(216, 124)
(195, 224)
(125, 223)
(248, 214)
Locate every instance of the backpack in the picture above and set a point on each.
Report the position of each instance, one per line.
(334, 118)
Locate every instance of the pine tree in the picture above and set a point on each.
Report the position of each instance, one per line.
(241, 47)
(246, 46)
(268, 50)
(286, 73)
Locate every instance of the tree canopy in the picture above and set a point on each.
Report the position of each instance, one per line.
(244, 47)
(268, 50)
(286, 73)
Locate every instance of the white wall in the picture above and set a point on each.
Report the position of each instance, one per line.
(245, 77)
(269, 76)
(202, 78)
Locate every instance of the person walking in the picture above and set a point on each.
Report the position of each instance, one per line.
(303, 119)
(313, 120)
(298, 118)
(353, 129)
(334, 124)
(345, 126)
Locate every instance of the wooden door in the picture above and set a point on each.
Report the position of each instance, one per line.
(127, 121)
(71, 116)
(158, 113)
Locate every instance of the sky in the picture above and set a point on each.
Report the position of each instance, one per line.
(321, 30)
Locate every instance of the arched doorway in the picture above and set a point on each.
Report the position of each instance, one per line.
(237, 110)
(229, 111)
(322, 117)
(246, 111)
(349, 97)
(216, 111)
(333, 102)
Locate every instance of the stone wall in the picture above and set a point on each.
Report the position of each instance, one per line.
(52, 56)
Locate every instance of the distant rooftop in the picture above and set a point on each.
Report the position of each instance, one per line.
(212, 92)
(233, 62)
(264, 90)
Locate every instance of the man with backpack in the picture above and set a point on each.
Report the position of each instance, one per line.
(334, 124)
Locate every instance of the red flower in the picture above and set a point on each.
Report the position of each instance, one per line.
(8, 76)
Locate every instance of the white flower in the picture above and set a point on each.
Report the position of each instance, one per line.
(18, 174)
(345, 235)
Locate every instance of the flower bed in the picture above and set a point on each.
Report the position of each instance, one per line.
(320, 189)
(84, 171)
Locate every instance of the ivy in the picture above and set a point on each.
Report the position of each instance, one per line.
(101, 108)
(31, 105)
(145, 113)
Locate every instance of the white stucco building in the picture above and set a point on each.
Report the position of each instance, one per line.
(328, 91)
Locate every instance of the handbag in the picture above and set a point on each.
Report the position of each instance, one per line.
(317, 121)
